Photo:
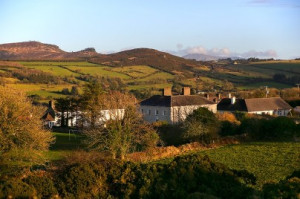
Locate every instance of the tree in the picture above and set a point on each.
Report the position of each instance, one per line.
(74, 91)
(202, 126)
(22, 136)
(123, 130)
(92, 101)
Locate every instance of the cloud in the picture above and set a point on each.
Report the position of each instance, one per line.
(224, 52)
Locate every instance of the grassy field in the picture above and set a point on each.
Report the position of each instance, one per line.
(141, 76)
(269, 68)
(270, 84)
(268, 161)
(64, 145)
(42, 90)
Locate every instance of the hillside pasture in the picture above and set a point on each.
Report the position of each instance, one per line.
(268, 161)
(97, 70)
(43, 90)
(269, 68)
(270, 84)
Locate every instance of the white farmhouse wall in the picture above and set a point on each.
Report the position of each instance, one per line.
(272, 112)
(179, 113)
(156, 113)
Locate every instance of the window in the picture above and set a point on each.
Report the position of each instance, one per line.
(156, 112)
(279, 112)
(149, 112)
(142, 110)
(164, 113)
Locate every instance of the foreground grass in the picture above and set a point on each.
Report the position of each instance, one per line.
(268, 161)
(65, 144)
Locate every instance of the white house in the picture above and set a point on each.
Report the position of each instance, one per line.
(269, 106)
(53, 118)
(173, 108)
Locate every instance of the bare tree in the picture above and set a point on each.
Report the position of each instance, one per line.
(121, 129)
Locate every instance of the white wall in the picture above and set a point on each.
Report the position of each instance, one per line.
(179, 113)
(272, 112)
(157, 113)
(171, 114)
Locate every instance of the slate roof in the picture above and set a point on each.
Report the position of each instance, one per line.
(176, 100)
(225, 105)
(254, 104)
(49, 115)
(261, 104)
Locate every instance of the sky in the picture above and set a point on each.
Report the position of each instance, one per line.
(247, 28)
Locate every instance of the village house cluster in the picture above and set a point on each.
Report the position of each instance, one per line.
(175, 108)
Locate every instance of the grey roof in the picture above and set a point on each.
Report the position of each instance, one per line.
(254, 104)
(225, 105)
(176, 100)
(262, 104)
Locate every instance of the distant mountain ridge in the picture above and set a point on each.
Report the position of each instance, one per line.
(39, 51)
(204, 57)
(140, 56)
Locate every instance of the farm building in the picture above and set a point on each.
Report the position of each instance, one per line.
(269, 106)
(49, 118)
(173, 108)
(53, 118)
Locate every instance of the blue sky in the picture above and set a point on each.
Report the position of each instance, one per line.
(260, 28)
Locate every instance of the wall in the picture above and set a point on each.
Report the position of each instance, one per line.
(179, 113)
(162, 115)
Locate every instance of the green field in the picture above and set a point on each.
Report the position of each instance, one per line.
(141, 76)
(268, 161)
(270, 84)
(65, 144)
(269, 68)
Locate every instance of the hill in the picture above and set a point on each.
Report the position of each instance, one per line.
(30, 51)
(39, 51)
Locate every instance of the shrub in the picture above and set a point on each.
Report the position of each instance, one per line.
(43, 185)
(279, 128)
(16, 189)
(82, 181)
(202, 126)
(285, 189)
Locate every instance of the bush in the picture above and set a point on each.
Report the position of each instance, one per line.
(117, 179)
(16, 189)
(171, 134)
(202, 126)
(228, 128)
(82, 181)
(279, 128)
(43, 185)
(285, 189)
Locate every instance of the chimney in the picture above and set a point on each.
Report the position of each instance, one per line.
(206, 95)
(186, 91)
(51, 104)
(219, 96)
(229, 95)
(233, 100)
(167, 91)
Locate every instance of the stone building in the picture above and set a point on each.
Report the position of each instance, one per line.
(173, 108)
